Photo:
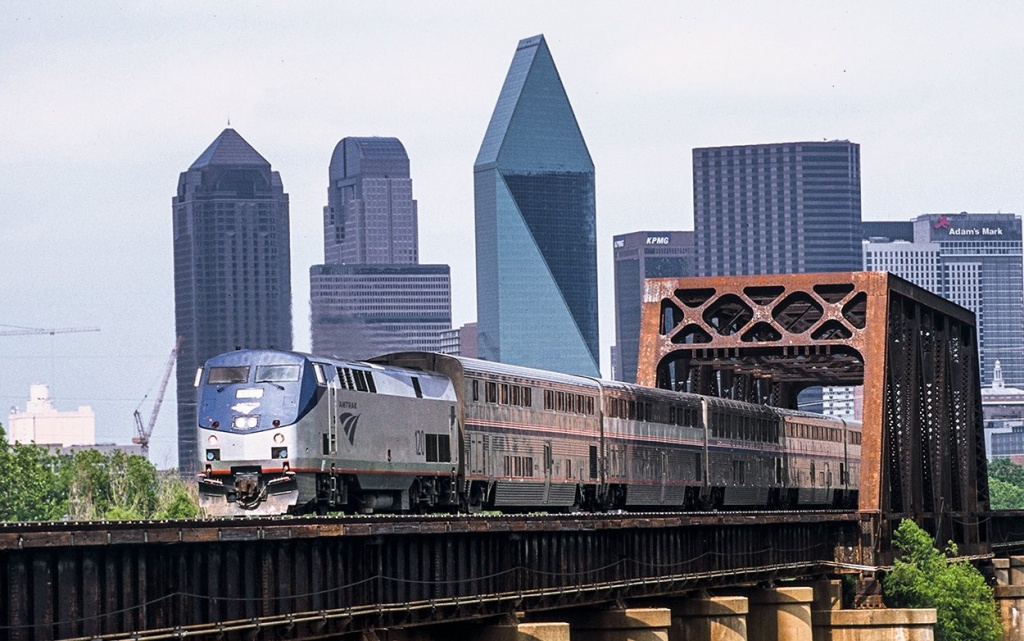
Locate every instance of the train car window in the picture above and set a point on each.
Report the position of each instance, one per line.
(369, 382)
(812, 473)
(360, 377)
(590, 405)
(698, 466)
(632, 410)
(672, 415)
(504, 393)
(593, 461)
(476, 389)
(517, 395)
(228, 375)
(277, 373)
(527, 397)
(568, 468)
(416, 387)
(492, 392)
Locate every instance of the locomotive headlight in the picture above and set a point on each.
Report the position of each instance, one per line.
(251, 421)
(239, 422)
(212, 440)
(279, 438)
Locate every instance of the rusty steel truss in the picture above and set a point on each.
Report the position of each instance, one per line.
(765, 338)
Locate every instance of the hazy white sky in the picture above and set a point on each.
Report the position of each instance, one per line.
(103, 104)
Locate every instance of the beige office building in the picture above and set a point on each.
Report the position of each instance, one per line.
(43, 424)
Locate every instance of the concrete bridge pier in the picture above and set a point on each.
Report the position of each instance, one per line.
(719, 618)
(1009, 596)
(630, 624)
(545, 631)
(780, 614)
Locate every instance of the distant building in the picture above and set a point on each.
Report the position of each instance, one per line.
(640, 255)
(370, 217)
(1003, 409)
(43, 424)
(974, 260)
(361, 311)
(460, 341)
(536, 241)
(890, 230)
(372, 297)
(781, 208)
(232, 267)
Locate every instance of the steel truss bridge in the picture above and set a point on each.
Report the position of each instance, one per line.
(760, 339)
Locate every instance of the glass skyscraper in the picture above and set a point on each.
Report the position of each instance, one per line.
(536, 241)
(232, 267)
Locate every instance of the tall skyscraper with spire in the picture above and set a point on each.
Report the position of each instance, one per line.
(536, 241)
(232, 267)
(371, 296)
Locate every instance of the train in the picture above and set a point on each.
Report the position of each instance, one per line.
(285, 432)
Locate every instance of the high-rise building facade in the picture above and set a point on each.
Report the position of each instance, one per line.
(640, 255)
(974, 260)
(536, 240)
(783, 208)
(372, 296)
(370, 217)
(232, 267)
(361, 311)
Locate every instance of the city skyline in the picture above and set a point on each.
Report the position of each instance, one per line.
(105, 105)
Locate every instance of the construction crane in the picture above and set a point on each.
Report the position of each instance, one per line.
(27, 331)
(143, 432)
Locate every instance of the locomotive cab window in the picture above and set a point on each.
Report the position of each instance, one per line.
(228, 375)
(277, 373)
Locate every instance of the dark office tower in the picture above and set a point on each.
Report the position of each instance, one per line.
(640, 255)
(232, 274)
(536, 245)
(777, 209)
(370, 217)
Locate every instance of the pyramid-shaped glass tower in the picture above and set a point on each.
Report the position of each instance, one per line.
(536, 246)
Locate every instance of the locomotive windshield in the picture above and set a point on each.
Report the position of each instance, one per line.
(227, 375)
(277, 373)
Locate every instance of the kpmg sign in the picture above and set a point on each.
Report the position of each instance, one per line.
(981, 227)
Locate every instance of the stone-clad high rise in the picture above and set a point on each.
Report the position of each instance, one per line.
(372, 296)
(536, 246)
(232, 269)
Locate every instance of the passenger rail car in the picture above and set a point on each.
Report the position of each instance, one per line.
(286, 432)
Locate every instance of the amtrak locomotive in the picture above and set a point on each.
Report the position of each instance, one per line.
(286, 432)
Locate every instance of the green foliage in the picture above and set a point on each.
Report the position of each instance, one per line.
(1005, 496)
(29, 487)
(1005, 485)
(178, 499)
(922, 577)
(36, 485)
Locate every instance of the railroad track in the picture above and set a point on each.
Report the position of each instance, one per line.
(91, 533)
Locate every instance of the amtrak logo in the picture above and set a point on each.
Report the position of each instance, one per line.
(348, 424)
(245, 408)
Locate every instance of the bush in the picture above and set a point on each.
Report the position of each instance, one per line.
(922, 577)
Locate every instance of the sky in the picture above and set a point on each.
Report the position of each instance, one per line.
(104, 104)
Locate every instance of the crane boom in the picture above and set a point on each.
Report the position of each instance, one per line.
(28, 331)
(144, 432)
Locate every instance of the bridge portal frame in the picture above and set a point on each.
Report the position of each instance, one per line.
(765, 338)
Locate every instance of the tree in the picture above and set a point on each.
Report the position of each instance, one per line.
(178, 499)
(1005, 485)
(922, 577)
(29, 485)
